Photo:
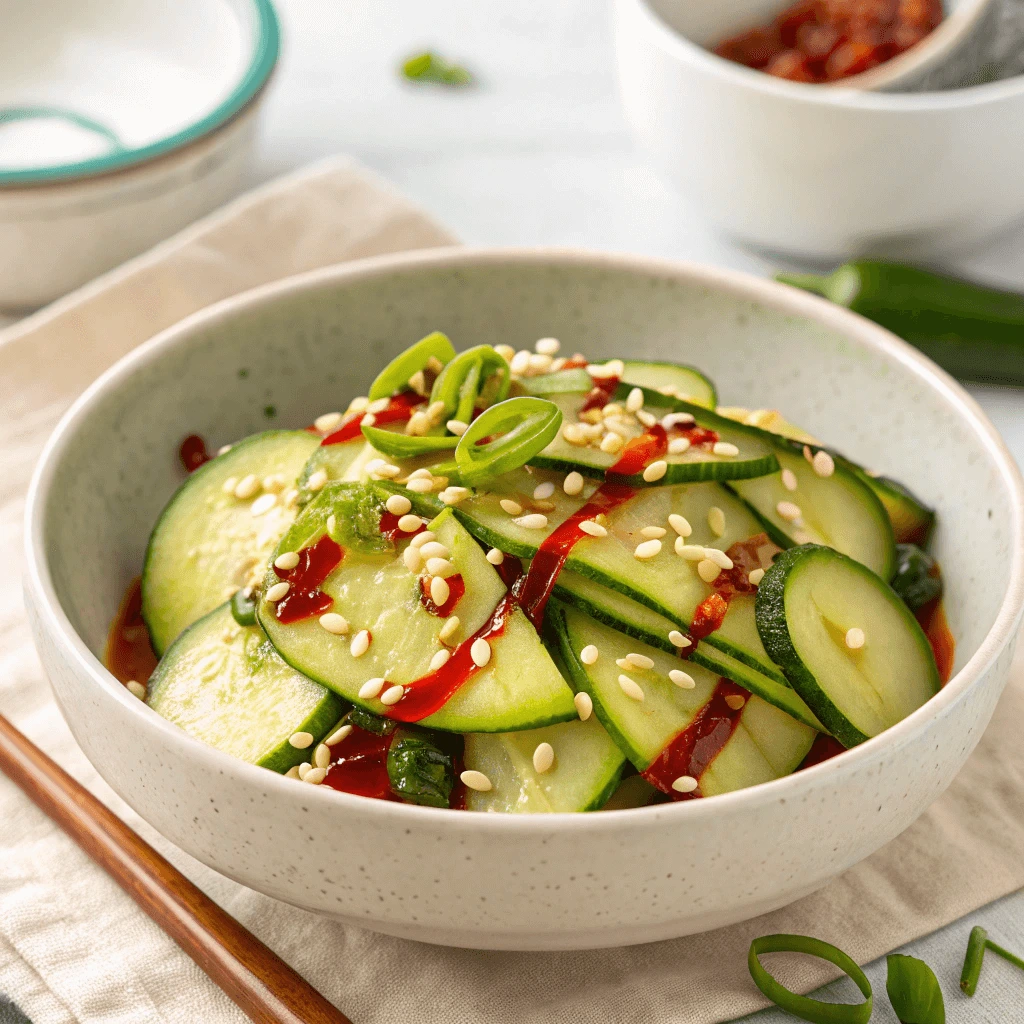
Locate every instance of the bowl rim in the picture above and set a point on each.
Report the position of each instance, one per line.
(265, 49)
(771, 294)
(834, 95)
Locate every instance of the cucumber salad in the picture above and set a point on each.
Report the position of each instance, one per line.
(525, 582)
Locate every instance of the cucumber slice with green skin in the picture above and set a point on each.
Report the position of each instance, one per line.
(519, 688)
(586, 769)
(806, 603)
(839, 511)
(225, 685)
(207, 543)
(633, 791)
(687, 383)
(334, 461)
(633, 619)
(755, 457)
(765, 744)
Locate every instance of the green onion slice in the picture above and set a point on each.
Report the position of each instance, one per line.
(405, 446)
(243, 608)
(560, 382)
(976, 946)
(395, 376)
(460, 383)
(803, 1006)
(520, 428)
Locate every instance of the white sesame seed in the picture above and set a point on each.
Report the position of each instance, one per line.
(788, 511)
(513, 508)
(451, 624)
(439, 566)
(646, 418)
(720, 558)
(505, 351)
(678, 445)
(533, 521)
(409, 523)
(480, 652)
(647, 549)
(633, 660)
(334, 623)
(278, 591)
(412, 559)
(544, 490)
(300, 740)
(338, 735)
(635, 400)
(316, 480)
(855, 638)
(725, 448)
(368, 420)
(540, 363)
(224, 449)
(315, 776)
(755, 576)
(434, 365)
(418, 382)
(229, 485)
(476, 780)
(655, 471)
(392, 695)
(322, 756)
(326, 423)
(293, 772)
(573, 483)
(378, 405)
(573, 433)
(275, 483)
(420, 485)
(691, 552)
(677, 419)
(290, 497)
(248, 486)
(588, 526)
(418, 425)
(543, 758)
(387, 471)
(682, 679)
(735, 701)
(440, 659)
(304, 769)
(433, 549)
(677, 639)
(584, 705)
(457, 427)
(708, 571)
(716, 520)
(611, 443)
(358, 404)
(398, 505)
(589, 654)
(439, 590)
(630, 688)
(520, 362)
(808, 454)
(360, 643)
(263, 504)
(453, 495)
(612, 410)
(789, 480)
(287, 561)
(548, 346)
(823, 463)
(436, 410)
(136, 689)
(680, 524)
(495, 557)
(653, 532)
(422, 538)
(620, 427)
(685, 784)
(370, 689)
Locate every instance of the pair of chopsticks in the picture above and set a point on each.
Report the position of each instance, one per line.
(263, 986)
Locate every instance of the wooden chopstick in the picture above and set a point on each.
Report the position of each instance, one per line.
(263, 986)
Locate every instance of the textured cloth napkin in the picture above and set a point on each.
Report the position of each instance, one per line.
(73, 947)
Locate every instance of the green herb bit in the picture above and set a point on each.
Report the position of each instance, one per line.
(916, 577)
(976, 946)
(405, 446)
(429, 67)
(914, 991)
(463, 381)
(395, 376)
(804, 1007)
(421, 770)
(243, 608)
(505, 437)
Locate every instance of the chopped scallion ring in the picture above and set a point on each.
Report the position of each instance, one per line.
(405, 446)
(395, 376)
(505, 437)
(464, 379)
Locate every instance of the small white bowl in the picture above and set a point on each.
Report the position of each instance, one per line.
(501, 880)
(819, 172)
(120, 122)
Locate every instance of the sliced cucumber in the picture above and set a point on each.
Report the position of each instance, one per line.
(675, 380)
(754, 454)
(633, 619)
(225, 685)
(765, 743)
(839, 510)
(586, 769)
(334, 461)
(633, 791)
(806, 604)
(372, 589)
(207, 543)
(912, 520)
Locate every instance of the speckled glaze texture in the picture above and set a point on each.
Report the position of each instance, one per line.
(306, 346)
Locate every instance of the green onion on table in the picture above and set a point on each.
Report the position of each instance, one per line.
(974, 332)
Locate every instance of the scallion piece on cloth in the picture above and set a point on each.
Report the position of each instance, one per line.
(429, 67)
(914, 991)
(976, 946)
(804, 1007)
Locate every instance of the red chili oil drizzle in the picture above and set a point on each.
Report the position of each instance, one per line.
(640, 451)
(129, 653)
(361, 765)
(576, 362)
(693, 749)
(305, 598)
(708, 616)
(456, 590)
(509, 569)
(389, 527)
(933, 621)
(601, 393)
(823, 748)
(193, 453)
(399, 409)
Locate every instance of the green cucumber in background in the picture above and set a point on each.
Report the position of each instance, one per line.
(974, 332)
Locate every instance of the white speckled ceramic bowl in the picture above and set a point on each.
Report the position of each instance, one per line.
(502, 881)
